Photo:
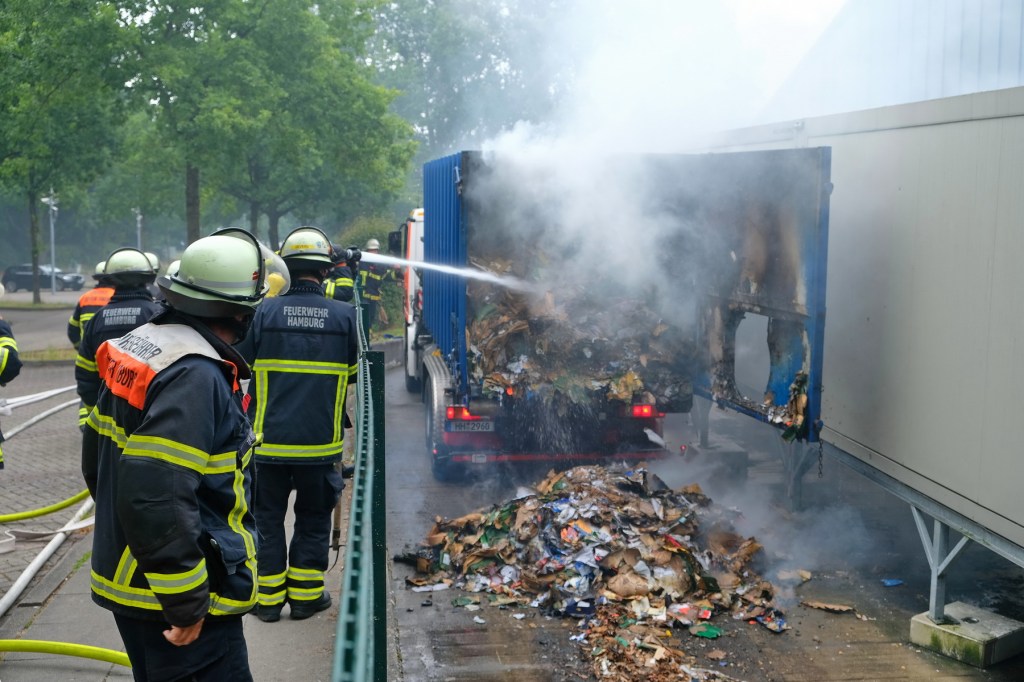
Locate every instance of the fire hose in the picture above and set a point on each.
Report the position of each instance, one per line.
(12, 595)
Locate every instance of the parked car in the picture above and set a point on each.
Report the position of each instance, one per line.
(20, 277)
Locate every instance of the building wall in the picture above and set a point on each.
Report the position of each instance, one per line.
(884, 52)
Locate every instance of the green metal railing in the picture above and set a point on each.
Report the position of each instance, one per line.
(360, 647)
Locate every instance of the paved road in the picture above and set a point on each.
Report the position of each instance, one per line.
(42, 469)
(851, 536)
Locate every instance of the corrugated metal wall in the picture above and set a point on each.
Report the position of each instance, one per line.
(884, 52)
(444, 299)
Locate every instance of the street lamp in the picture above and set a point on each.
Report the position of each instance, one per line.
(51, 201)
(138, 228)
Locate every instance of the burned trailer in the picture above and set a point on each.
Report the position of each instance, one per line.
(569, 355)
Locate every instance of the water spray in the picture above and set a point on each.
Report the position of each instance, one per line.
(468, 273)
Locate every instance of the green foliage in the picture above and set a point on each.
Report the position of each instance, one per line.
(467, 69)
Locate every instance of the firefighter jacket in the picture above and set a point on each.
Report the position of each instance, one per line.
(167, 457)
(88, 304)
(129, 308)
(340, 283)
(303, 350)
(10, 365)
(371, 276)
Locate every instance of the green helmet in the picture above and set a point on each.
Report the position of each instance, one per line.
(128, 267)
(307, 246)
(222, 275)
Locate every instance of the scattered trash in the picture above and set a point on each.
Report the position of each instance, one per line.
(891, 582)
(716, 655)
(426, 602)
(800, 576)
(478, 620)
(705, 630)
(832, 608)
(617, 550)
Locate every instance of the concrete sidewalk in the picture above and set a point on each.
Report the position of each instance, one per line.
(42, 468)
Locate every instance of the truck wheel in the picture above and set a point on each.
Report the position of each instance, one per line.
(433, 396)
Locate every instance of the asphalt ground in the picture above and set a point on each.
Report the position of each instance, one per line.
(42, 469)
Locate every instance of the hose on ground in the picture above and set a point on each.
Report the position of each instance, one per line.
(18, 516)
(37, 646)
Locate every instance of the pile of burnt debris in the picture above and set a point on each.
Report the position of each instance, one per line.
(576, 347)
(634, 562)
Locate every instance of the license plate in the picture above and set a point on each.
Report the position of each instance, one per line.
(471, 426)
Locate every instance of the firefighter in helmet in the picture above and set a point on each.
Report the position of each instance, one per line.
(303, 349)
(371, 277)
(89, 303)
(130, 272)
(341, 280)
(167, 457)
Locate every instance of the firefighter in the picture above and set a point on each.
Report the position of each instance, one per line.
(341, 281)
(130, 272)
(88, 304)
(303, 350)
(371, 276)
(167, 457)
(10, 363)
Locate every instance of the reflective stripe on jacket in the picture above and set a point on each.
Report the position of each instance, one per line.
(339, 284)
(88, 304)
(303, 350)
(167, 458)
(10, 362)
(371, 275)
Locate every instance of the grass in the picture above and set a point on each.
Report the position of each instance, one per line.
(49, 355)
(28, 305)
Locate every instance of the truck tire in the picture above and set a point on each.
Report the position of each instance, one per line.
(433, 396)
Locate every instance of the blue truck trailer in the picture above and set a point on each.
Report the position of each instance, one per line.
(739, 235)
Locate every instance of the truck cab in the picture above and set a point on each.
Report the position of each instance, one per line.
(407, 242)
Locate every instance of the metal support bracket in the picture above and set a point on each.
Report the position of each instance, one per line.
(940, 558)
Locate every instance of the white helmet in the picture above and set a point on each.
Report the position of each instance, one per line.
(97, 273)
(154, 260)
(222, 275)
(372, 244)
(128, 266)
(307, 246)
(2, 291)
(172, 268)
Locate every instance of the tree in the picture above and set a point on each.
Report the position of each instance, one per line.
(467, 70)
(317, 134)
(60, 97)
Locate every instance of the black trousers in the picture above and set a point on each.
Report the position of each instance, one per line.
(219, 655)
(294, 570)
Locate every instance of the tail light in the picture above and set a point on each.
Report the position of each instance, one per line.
(641, 412)
(460, 413)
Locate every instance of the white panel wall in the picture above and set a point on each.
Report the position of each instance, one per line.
(924, 334)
